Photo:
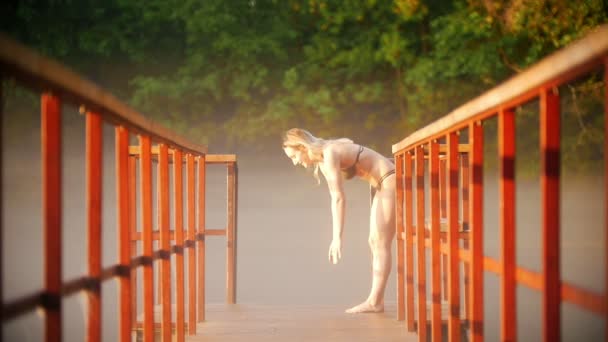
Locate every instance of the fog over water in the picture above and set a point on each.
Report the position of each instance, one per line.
(284, 231)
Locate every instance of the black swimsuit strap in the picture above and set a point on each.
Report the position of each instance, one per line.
(358, 154)
(385, 176)
(352, 167)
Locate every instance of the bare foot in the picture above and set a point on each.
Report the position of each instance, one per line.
(366, 307)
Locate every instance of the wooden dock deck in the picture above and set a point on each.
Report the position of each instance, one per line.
(242, 322)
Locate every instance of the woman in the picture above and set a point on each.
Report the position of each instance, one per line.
(340, 160)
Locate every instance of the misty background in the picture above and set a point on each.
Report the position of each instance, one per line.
(233, 75)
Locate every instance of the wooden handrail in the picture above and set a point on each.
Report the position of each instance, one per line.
(209, 158)
(558, 68)
(45, 74)
(59, 85)
(420, 163)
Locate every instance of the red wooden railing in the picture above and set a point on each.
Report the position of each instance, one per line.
(196, 262)
(439, 143)
(59, 85)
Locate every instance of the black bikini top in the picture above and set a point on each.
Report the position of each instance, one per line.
(351, 171)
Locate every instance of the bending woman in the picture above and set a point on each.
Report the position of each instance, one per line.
(340, 160)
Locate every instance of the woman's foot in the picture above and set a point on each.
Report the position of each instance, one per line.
(366, 307)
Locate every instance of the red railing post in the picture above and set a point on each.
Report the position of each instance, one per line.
(409, 242)
(51, 206)
(93, 157)
(133, 229)
(399, 237)
(435, 242)
(235, 230)
(165, 241)
(464, 179)
(192, 251)
(453, 236)
(420, 246)
(201, 239)
(178, 186)
(230, 233)
(442, 188)
(146, 202)
(476, 230)
(506, 147)
(442, 200)
(123, 233)
(550, 174)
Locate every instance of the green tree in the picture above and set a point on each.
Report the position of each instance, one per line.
(241, 71)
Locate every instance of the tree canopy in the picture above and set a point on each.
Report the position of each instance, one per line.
(241, 71)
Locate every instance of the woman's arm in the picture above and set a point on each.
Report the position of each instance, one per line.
(331, 170)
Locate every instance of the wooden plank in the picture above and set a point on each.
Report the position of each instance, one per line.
(230, 241)
(201, 169)
(420, 248)
(558, 67)
(123, 231)
(220, 158)
(444, 235)
(400, 262)
(453, 256)
(156, 234)
(22, 305)
(191, 187)
(209, 158)
(146, 202)
(51, 219)
(550, 197)
(94, 143)
(44, 73)
(475, 209)
(506, 147)
(409, 243)
(154, 150)
(585, 299)
(165, 242)
(276, 323)
(443, 148)
(178, 200)
(462, 148)
(492, 265)
(435, 243)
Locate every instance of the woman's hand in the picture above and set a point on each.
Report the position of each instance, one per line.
(335, 251)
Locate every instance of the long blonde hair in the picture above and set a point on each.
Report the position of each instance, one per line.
(303, 140)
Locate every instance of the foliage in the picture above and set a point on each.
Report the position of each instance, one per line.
(239, 72)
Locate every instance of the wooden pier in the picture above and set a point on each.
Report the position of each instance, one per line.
(448, 155)
(243, 322)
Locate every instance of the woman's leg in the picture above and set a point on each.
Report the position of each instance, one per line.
(382, 231)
